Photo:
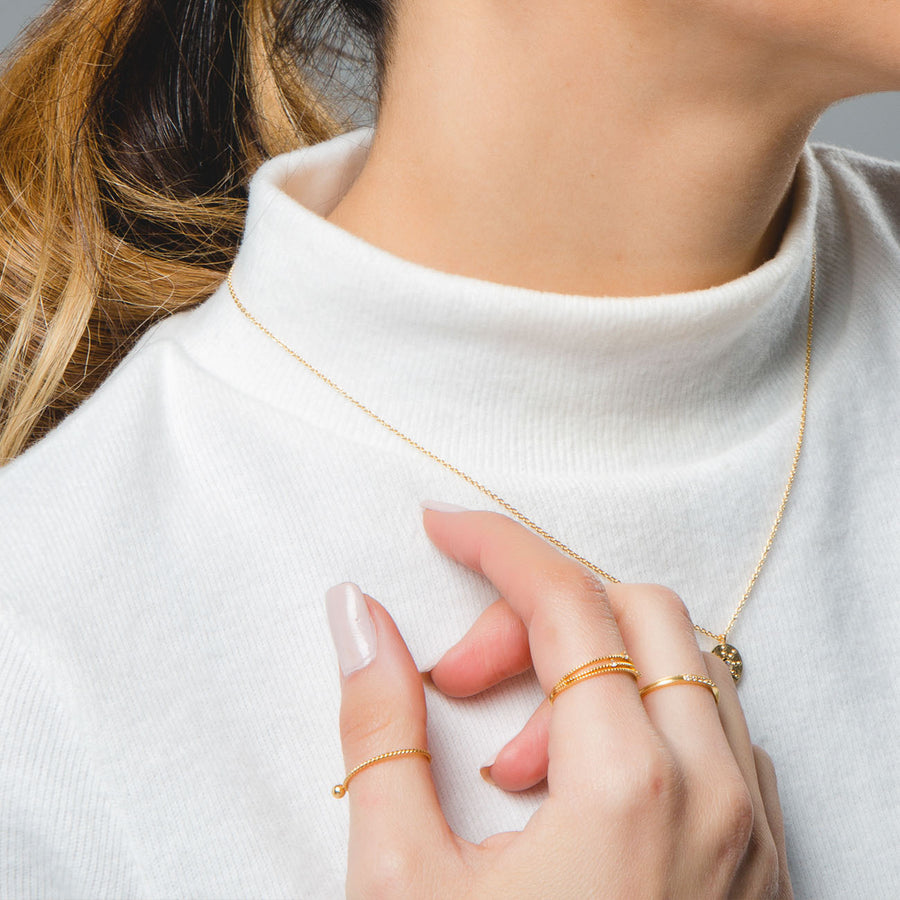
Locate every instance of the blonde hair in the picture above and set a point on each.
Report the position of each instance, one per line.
(122, 190)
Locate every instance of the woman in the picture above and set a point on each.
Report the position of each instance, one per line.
(576, 262)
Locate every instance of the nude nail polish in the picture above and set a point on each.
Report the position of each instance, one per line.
(440, 506)
(352, 628)
(485, 771)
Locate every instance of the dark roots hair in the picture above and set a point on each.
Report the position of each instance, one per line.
(128, 132)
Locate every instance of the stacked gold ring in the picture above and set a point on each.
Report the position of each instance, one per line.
(687, 678)
(617, 663)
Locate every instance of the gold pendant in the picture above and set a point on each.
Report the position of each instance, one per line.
(730, 656)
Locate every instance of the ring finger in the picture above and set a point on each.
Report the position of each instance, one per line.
(659, 635)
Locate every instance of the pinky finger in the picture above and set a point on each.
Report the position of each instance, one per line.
(768, 788)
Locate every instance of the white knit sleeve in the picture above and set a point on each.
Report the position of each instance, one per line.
(60, 835)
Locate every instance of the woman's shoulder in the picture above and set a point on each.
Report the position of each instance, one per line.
(111, 454)
(170, 436)
(845, 163)
(865, 189)
(166, 361)
(125, 397)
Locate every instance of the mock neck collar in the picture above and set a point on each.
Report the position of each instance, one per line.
(493, 376)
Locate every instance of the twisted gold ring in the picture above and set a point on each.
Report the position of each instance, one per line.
(617, 663)
(340, 790)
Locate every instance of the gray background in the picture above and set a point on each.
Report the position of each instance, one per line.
(870, 124)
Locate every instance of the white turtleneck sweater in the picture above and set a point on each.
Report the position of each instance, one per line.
(168, 690)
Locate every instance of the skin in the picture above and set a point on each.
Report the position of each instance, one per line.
(606, 147)
(595, 147)
(660, 797)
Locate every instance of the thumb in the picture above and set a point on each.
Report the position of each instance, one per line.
(394, 810)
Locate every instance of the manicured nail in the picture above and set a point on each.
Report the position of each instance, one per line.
(438, 506)
(352, 628)
(486, 771)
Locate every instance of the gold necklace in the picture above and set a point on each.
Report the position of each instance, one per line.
(724, 650)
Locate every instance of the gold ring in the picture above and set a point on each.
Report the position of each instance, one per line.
(702, 680)
(617, 663)
(340, 790)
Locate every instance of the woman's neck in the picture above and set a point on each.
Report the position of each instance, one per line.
(539, 148)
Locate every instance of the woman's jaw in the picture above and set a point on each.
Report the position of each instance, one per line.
(615, 149)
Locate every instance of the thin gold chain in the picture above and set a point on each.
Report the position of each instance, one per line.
(530, 523)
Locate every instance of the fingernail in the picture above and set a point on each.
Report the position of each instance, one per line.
(352, 628)
(438, 506)
(486, 771)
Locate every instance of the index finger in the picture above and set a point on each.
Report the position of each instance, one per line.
(569, 621)
(563, 605)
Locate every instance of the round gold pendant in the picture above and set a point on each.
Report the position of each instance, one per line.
(730, 656)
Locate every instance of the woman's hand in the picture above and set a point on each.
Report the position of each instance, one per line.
(653, 798)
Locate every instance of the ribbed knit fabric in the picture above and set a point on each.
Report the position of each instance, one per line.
(168, 690)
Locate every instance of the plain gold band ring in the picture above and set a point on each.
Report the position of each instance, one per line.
(340, 790)
(700, 680)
